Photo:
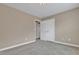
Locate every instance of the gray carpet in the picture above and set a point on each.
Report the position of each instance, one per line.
(42, 48)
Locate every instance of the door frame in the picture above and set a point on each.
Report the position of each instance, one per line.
(35, 26)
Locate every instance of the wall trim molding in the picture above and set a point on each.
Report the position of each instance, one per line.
(18, 45)
(68, 44)
(37, 20)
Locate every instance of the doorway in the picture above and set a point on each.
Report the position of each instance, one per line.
(37, 30)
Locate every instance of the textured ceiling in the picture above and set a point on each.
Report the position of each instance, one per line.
(43, 10)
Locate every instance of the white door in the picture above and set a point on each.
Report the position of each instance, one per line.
(47, 28)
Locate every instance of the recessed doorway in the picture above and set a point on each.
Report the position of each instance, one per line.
(37, 30)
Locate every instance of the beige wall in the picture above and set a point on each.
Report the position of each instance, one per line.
(67, 26)
(15, 27)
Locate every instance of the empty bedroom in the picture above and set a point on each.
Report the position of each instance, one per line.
(39, 28)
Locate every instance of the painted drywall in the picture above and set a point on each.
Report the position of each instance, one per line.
(45, 9)
(67, 26)
(15, 27)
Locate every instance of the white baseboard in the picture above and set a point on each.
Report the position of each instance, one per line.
(10, 47)
(68, 44)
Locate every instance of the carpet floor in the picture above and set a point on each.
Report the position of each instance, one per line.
(42, 48)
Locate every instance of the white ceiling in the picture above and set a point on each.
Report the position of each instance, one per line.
(43, 10)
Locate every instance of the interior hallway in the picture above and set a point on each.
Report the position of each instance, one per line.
(42, 48)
